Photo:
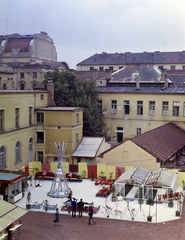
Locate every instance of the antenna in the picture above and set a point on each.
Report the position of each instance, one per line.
(7, 23)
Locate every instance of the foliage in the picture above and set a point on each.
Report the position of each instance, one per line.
(29, 197)
(70, 91)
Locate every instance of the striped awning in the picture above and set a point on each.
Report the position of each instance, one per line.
(9, 213)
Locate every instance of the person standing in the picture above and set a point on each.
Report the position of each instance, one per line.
(90, 215)
(56, 217)
(74, 204)
(80, 207)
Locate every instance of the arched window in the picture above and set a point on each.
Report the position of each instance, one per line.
(18, 152)
(31, 150)
(4, 86)
(2, 157)
(22, 86)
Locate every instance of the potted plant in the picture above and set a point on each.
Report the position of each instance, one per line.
(140, 201)
(132, 213)
(149, 202)
(170, 194)
(11, 199)
(28, 205)
(111, 173)
(45, 204)
(92, 175)
(83, 173)
(178, 211)
(113, 193)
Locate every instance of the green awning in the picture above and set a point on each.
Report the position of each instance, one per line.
(9, 213)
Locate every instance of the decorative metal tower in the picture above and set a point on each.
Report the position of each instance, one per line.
(62, 190)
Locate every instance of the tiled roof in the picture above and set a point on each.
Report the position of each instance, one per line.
(22, 43)
(129, 74)
(135, 58)
(162, 142)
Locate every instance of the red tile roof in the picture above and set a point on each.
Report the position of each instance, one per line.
(23, 44)
(162, 142)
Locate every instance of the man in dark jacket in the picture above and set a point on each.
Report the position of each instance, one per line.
(90, 215)
(80, 207)
(74, 204)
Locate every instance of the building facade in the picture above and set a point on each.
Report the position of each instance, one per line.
(29, 57)
(29, 126)
(138, 99)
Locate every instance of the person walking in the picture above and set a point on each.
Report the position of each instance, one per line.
(90, 215)
(74, 204)
(80, 207)
(56, 217)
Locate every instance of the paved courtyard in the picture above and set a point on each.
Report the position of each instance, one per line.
(38, 224)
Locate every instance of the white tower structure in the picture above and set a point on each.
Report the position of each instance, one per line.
(59, 187)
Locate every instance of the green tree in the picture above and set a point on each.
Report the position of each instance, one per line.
(70, 91)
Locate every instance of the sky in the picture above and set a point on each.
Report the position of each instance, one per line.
(82, 28)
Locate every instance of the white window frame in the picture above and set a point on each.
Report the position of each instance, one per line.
(2, 157)
(17, 152)
(126, 107)
(165, 108)
(176, 109)
(113, 106)
(139, 107)
(151, 108)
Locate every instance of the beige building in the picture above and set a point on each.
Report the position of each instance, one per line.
(30, 124)
(29, 57)
(162, 147)
(115, 61)
(139, 99)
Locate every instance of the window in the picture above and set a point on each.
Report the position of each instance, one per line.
(176, 109)
(114, 106)
(152, 108)
(18, 152)
(77, 138)
(91, 68)
(172, 68)
(42, 96)
(40, 156)
(2, 158)
(100, 104)
(1, 120)
(165, 109)
(119, 134)
(22, 75)
(138, 131)
(34, 75)
(30, 149)
(40, 137)
(120, 67)
(17, 112)
(126, 107)
(40, 118)
(111, 68)
(4, 86)
(139, 107)
(100, 68)
(22, 86)
(30, 115)
(77, 118)
(160, 67)
(183, 67)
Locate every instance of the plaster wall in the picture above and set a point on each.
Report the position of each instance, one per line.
(130, 122)
(129, 154)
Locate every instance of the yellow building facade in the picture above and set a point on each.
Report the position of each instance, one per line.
(29, 128)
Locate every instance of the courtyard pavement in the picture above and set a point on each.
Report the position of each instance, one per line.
(120, 210)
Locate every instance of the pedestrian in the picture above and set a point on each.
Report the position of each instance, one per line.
(56, 217)
(70, 194)
(90, 215)
(74, 204)
(80, 207)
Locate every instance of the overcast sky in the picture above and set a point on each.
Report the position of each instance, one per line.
(81, 28)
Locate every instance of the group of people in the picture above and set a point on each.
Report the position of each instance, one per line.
(74, 205)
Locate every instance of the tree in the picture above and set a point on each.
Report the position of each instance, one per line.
(70, 91)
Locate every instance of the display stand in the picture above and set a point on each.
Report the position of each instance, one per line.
(62, 190)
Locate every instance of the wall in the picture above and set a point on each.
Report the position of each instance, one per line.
(131, 122)
(129, 154)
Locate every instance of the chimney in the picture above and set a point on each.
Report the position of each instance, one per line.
(95, 74)
(164, 77)
(137, 83)
(50, 89)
